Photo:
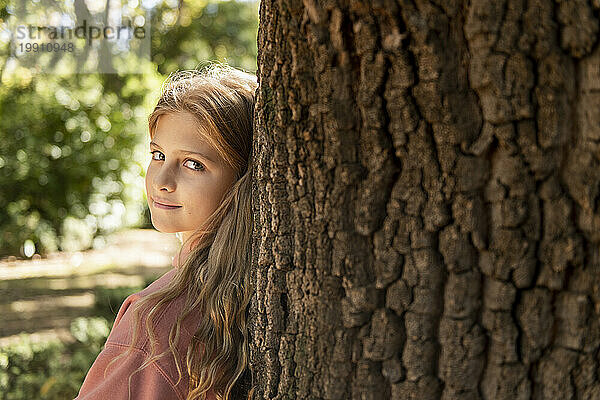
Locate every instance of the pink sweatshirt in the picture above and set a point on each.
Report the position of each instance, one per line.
(157, 380)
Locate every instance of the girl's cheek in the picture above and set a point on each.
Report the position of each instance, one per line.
(148, 179)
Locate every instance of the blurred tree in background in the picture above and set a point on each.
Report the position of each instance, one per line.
(73, 147)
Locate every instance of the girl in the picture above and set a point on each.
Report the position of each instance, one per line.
(184, 336)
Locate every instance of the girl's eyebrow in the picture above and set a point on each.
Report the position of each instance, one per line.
(203, 155)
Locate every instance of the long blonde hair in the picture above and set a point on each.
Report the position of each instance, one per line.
(215, 275)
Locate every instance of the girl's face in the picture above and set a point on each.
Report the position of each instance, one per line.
(186, 180)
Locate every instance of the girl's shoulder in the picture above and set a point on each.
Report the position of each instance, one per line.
(163, 321)
(164, 370)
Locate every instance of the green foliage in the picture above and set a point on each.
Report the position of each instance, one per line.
(67, 147)
(51, 369)
(205, 30)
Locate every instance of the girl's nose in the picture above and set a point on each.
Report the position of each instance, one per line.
(165, 179)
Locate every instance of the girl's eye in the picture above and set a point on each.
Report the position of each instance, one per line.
(199, 166)
(196, 166)
(155, 151)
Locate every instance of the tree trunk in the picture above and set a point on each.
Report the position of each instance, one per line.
(427, 200)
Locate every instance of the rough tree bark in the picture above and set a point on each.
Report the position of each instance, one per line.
(427, 210)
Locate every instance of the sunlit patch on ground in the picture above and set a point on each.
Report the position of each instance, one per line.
(43, 296)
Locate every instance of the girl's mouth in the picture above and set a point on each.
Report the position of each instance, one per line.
(164, 207)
